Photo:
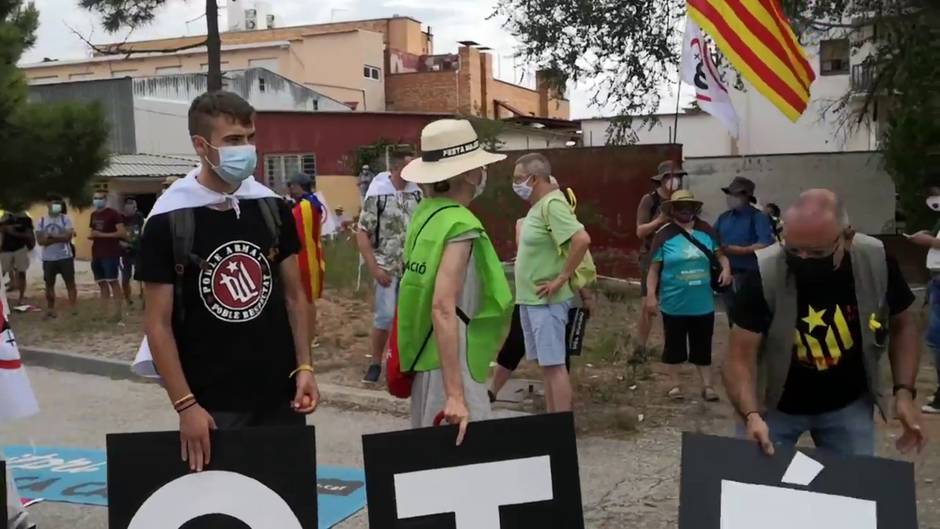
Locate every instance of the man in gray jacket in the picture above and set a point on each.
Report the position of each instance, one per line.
(812, 324)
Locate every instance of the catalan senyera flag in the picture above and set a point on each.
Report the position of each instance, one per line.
(308, 216)
(758, 40)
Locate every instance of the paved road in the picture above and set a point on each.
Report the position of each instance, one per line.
(78, 410)
(633, 482)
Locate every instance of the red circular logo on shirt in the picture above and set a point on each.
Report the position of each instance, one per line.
(235, 284)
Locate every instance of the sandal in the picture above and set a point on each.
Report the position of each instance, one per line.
(710, 395)
(676, 393)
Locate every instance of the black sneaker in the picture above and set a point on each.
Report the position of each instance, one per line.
(373, 374)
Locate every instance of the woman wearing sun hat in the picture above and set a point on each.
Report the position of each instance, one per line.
(454, 303)
(680, 288)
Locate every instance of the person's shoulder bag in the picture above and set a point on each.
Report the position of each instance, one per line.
(714, 264)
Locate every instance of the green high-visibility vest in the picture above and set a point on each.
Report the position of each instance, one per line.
(435, 222)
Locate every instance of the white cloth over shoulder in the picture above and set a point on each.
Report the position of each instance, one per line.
(188, 193)
(933, 259)
(382, 185)
(16, 395)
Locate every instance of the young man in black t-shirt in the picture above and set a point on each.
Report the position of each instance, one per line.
(826, 390)
(240, 356)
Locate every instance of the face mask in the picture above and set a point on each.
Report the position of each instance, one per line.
(672, 184)
(683, 216)
(479, 188)
(810, 267)
(99, 203)
(522, 189)
(934, 203)
(734, 202)
(236, 162)
(55, 209)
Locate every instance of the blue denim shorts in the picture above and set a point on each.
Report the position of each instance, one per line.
(386, 299)
(105, 269)
(543, 328)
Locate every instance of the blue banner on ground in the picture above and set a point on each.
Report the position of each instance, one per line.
(80, 476)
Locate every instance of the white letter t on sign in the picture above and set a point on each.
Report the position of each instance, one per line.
(474, 493)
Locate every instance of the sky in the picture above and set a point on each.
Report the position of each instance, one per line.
(450, 21)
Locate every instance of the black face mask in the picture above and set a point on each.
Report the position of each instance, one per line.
(810, 267)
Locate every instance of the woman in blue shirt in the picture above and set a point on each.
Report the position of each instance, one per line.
(679, 284)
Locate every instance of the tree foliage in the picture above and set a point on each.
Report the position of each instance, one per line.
(629, 53)
(43, 147)
(133, 14)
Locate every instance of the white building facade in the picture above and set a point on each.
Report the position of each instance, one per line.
(764, 129)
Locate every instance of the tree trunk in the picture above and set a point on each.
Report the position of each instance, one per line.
(213, 46)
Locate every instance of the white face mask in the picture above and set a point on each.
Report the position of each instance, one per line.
(479, 188)
(934, 203)
(522, 189)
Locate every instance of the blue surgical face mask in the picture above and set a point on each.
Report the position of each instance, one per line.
(236, 162)
(55, 209)
(523, 189)
(99, 203)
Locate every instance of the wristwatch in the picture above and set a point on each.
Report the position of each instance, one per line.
(911, 389)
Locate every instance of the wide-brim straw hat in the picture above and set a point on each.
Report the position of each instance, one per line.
(682, 196)
(449, 147)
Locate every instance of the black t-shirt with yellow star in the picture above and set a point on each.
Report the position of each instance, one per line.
(827, 372)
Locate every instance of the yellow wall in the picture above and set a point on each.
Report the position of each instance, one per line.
(341, 191)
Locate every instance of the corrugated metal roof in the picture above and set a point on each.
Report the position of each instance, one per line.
(144, 165)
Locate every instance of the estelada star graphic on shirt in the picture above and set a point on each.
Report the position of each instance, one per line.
(822, 336)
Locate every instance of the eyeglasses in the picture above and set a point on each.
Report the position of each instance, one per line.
(814, 253)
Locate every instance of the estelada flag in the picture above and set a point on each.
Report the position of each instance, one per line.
(757, 39)
(16, 395)
(309, 214)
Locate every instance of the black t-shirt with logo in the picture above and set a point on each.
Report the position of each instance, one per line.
(827, 371)
(235, 344)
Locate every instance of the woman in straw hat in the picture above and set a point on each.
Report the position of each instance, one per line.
(680, 288)
(454, 301)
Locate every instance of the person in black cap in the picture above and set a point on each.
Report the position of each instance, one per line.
(742, 230)
(649, 219)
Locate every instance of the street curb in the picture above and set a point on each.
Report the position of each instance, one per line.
(118, 370)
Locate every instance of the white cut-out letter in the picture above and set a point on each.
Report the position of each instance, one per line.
(802, 470)
(474, 493)
(215, 492)
(746, 506)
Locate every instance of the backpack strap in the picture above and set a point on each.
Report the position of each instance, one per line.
(272, 218)
(182, 230)
(380, 203)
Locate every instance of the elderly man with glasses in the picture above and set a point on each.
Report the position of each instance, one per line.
(812, 325)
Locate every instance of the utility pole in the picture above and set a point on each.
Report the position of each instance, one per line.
(213, 46)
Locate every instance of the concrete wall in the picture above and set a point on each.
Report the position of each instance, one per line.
(332, 64)
(521, 139)
(116, 102)
(265, 90)
(859, 178)
(341, 190)
(162, 126)
(697, 134)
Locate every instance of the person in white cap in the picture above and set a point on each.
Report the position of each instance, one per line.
(455, 304)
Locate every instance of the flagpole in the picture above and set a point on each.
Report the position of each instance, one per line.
(675, 125)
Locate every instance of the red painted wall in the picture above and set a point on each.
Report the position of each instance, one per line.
(609, 183)
(334, 136)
